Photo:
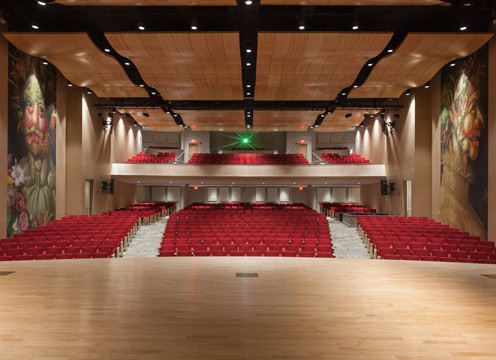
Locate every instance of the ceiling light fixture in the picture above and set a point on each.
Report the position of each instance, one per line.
(370, 64)
(154, 93)
(355, 86)
(42, 3)
(463, 28)
(427, 85)
(301, 27)
(248, 2)
(248, 86)
(355, 27)
(248, 93)
(44, 62)
(390, 50)
(452, 64)
(248, 51)
(141, 85)
(127, 63)
(194, 27)
(69, 84)
(343, 93)
(141, 27)
(36, 27)
(408, 93)
(107, 50)
(88, 92)
(248, 64)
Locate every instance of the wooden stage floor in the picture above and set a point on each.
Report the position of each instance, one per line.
(196, 308)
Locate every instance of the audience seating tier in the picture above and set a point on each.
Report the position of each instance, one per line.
(247, 230)
(81, 237)
(160, 158)
(248, 159)
(420, 238)
(353, 159)
(333, 209)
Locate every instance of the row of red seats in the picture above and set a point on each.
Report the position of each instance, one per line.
(396, 237)
(250, 229)
(144, 158)
(79, 237)
(331, 209)
(334, 158)
(248, 159)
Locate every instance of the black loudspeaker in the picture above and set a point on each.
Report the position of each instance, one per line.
(108, 187)
(384, 188)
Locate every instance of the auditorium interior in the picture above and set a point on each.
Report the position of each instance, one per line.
(248, 179)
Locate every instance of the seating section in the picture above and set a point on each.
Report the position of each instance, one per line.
(334, 209)
(333, 158)
(248, 159)
(144, 158)
(245, 229)
(414, 238)
(80, 237)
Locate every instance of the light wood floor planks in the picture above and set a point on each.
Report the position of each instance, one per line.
(195, 308)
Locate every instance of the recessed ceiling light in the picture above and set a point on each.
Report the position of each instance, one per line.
(370, 64)
(153, 92)
(248, 2)
(301, 27)
(343, 93)
(355, 86)
(248, 86)
(452, 64)
(175, 115)
(167, 111)
(463, 28)
(127, 63)
(355, 27)
(428, 85)
(107, 50)
(36, 27)
(69, 84)
(141, 85)
(390, 50)
(88, 92)
(194, 27)
(44, 62)
(248, 50)
(141, 27)
(248, 93)
(42, 3)
(248, 64)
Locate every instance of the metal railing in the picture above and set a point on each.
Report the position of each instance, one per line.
(177, 159)
(316, 159)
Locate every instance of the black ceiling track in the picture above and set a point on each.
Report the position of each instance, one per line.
(342, 97)
(248, 44)
(310, 105)
(134, 75)
(54, 17)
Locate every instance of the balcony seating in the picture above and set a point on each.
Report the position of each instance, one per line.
(160, 158)
(248, 159)
(245, 229)
(334, 209)
(79, 237)
(352, 159)
(418, 238)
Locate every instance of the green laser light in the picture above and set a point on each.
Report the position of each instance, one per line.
(245, 140)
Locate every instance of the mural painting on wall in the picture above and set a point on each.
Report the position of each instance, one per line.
(31, 143)
(464, 144)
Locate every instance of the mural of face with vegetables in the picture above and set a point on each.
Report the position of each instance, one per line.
(31, 148)
(464, 144)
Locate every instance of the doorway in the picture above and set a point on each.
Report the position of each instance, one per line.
(407, 193)
(193, 148)
(302, 149)
(88, 197)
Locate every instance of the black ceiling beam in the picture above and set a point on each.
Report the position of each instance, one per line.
(248, 45)
(178, 105)
(20, 15)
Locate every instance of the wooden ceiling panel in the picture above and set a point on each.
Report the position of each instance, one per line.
(147, 2)
(337, 121)
(157, 119)
(415, 62)
(355, 2)
(80, 61)
(270, 120)
(214, 120)
(309, 66)
(186, 66)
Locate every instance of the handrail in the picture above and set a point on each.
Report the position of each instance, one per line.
(319, 159)
(176, 160)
